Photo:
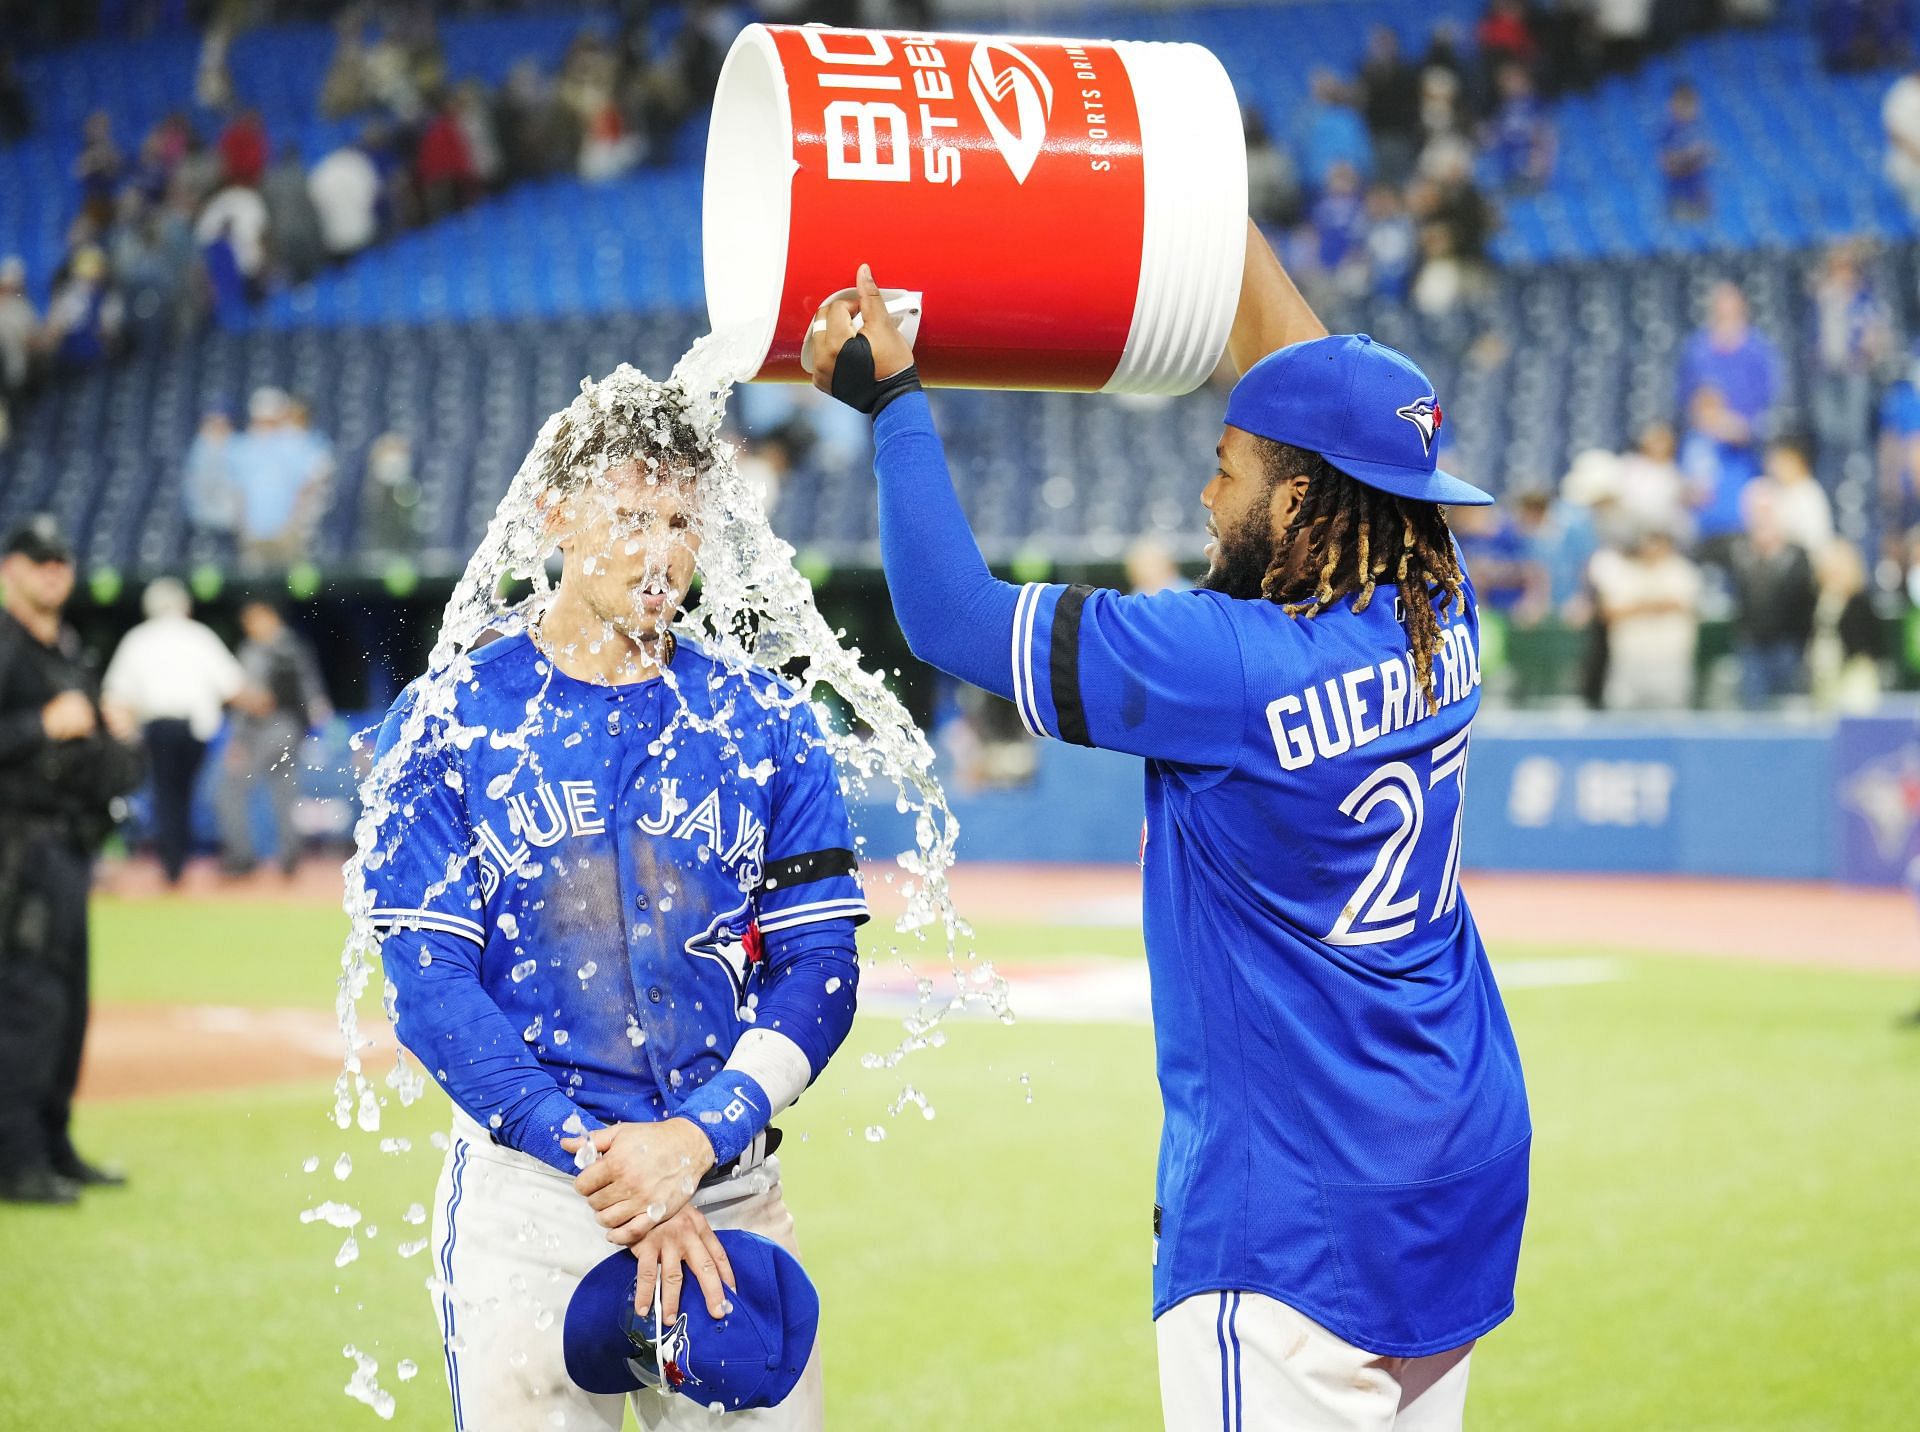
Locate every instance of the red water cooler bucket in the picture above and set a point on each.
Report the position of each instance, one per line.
(1069, 214)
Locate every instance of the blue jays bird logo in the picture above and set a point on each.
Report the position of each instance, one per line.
(731, 941)
(1424, 414)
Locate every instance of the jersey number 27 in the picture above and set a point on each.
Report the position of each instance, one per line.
(1378, 911)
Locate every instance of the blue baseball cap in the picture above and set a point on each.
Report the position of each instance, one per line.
(750, 1358)
(1366, 408)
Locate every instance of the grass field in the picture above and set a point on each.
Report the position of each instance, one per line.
(1725, 1229)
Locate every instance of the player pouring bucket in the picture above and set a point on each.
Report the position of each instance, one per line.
(1073, 212)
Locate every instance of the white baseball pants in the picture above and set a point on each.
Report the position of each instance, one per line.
(511, 1241)
(1244, 1362)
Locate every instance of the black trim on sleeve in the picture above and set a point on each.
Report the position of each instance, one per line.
(805, 869)
(1063, 665)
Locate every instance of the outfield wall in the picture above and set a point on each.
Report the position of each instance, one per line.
(1759, 797)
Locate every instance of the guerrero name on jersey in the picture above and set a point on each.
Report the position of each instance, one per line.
(590, 893)
(1346, 1126)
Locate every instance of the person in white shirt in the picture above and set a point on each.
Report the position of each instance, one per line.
(1649, 598)
(345, 189)
(176, 678)
(1900, 118)
(1653, 491)
(1805, 513)
(239, 215)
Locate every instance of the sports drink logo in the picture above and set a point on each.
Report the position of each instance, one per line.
(1015, 100)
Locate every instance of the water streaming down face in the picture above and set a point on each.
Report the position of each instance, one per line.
(755, 609)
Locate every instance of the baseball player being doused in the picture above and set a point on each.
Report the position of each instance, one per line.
(618, 895)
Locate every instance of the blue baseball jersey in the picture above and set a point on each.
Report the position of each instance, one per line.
(1346, 1127)
(588, 893)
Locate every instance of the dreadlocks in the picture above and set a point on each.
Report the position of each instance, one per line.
(1356, 537)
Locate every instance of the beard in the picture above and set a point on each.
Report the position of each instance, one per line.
(1241, 557)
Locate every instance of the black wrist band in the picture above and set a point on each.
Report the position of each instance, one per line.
(855, 385)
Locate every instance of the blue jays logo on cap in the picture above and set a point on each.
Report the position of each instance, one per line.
(753, 1356)
(1424, 414)
(1364, 407)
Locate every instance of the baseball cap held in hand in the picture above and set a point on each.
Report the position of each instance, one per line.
(752, 1357)
(1366, 408)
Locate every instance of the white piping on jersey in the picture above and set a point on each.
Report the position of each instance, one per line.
(429, 920)
(811, 913)
(1025, 701)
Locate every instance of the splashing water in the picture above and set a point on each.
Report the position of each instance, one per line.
(754, 610)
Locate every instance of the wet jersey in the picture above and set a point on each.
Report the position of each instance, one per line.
(590, 892)
(1346, 1128)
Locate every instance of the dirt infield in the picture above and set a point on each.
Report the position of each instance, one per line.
(144, 1050)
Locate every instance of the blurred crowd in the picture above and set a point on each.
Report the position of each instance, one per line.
(190, 226)
(1389, 179)
(1729, 514)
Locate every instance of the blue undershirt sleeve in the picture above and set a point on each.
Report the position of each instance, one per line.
(1158, 676)
(954, 613)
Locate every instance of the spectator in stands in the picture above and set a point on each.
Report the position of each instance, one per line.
(244, 149)
(1900, 448)
(1863, 34)
(1799, 502)
(16, 112)
(19, 329)
(345, 189)
(1850, 340)
(209, 491)
(1729, 382)
(98, 169)
(176, 677)
(1569, 45)
(1393, 244)
(343, 90)
(1648, 597)
(282, 699)
(443, 165)
(390, 499)
(1686, 156)
(1521, 139)
(1273, 183)
(1504, 573)
(1844, 656)
(280, 475)
(1504, 38)
(1390, 104)
(1339, 220)
(1622, 28)
(1900, 118)
(86, 316)
(474, 112)
(1562, 541)
(1773, 605)
(539, 133)
(237, 217)
(1653, 492)
(293, 225)
(1329, 132)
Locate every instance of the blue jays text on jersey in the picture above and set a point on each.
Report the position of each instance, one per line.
(589, 892)
(1346, 1127)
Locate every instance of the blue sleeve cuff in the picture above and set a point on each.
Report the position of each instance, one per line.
(539, 1130)
(908, 413)
(731, 1107)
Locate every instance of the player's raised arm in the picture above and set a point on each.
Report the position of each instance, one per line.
(1272, 312)
(1156, 676)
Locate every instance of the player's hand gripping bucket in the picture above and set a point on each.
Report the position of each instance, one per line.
(1070, 213)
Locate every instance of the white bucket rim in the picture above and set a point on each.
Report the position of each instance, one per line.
(747, 193)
